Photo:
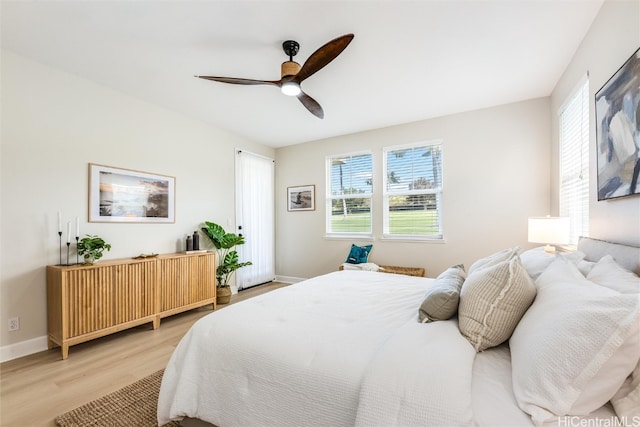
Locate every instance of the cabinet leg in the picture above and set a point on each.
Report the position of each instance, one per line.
(65, 351)
(213, 306)
(156, 322)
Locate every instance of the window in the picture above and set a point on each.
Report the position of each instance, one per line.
(574, 162)
(349, 194)
(413, 191)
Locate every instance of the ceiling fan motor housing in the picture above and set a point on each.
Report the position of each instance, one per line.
(289, 68)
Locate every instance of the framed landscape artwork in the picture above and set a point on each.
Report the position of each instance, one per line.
(123, 195)
(618, 132)
(301, 198)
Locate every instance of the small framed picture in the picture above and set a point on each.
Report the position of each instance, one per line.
(301, 198)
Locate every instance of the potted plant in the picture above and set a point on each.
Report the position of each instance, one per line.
(228, 261)
(91, 248)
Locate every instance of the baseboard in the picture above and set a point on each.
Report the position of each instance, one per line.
(23, 348)
(288, 279)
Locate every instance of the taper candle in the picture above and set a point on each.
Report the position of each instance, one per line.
(68, 231)
(77, 227)
(59, 222)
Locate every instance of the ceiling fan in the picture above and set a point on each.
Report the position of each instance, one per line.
(292, 74)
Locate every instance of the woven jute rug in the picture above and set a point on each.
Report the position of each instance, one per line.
(133, 405)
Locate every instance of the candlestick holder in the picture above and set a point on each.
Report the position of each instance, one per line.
(77, 250)
(60, 236)
(68, 246)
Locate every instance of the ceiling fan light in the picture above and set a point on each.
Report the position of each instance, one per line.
(291, 89)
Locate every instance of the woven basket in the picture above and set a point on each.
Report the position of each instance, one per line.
(223, 295)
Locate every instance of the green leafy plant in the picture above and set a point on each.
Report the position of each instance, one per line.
(91, 248)
(224, 242)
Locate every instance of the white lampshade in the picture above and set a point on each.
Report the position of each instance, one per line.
(549, 230)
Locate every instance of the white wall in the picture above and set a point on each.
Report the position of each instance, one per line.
(495, 171)
(613, 37)
(53, 125)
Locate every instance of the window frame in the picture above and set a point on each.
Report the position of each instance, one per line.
(329, 198)
(386, 194)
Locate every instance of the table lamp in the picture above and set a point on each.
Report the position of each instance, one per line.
(550, 231)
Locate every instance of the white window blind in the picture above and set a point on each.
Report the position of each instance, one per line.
(574, 162)
(349, 190)
(413, 191)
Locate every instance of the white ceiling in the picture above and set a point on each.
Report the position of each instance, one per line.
(409, 60)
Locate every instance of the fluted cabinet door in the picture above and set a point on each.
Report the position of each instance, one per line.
(135, 291)
(174, 284)
(89, 300)
(203, 275)
(186, 282)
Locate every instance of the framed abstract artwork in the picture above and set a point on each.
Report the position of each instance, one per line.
(123, 195)
(617, 106)
(302, 198)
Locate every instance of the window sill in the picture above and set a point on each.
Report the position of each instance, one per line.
(365, 237)
(413, 239)
(399, 239)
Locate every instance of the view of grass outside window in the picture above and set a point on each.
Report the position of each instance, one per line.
(412, 190)
(349, 201)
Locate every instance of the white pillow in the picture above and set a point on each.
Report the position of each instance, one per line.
(608, 273)
(536, 260)
(574, 347)
(366, 266)
(585, 267)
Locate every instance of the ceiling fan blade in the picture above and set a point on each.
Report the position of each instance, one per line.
(323, 56)
(311, 105)
(238, 81)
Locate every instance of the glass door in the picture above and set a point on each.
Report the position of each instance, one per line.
(255, 183)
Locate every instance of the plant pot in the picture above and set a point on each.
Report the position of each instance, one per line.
(223, 295)
(89, 260)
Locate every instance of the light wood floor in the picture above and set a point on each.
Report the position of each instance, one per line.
(37, 388)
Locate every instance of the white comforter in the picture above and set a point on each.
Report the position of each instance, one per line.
(341, 349)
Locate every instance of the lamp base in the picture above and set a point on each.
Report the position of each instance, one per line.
(550, 249)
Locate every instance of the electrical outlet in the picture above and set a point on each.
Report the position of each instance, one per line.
(14, 324)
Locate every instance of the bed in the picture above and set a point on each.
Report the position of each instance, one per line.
(348, 349)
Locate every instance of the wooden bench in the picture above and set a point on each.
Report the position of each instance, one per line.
(409, 271)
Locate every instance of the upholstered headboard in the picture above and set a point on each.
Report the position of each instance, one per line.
(625, 255)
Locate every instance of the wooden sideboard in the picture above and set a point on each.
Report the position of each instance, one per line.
(85, 302)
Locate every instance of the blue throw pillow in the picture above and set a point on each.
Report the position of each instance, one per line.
(358, 254)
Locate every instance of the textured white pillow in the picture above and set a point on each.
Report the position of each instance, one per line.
(574, 347)
(608, 273)
(492, 302)
(626, 401)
